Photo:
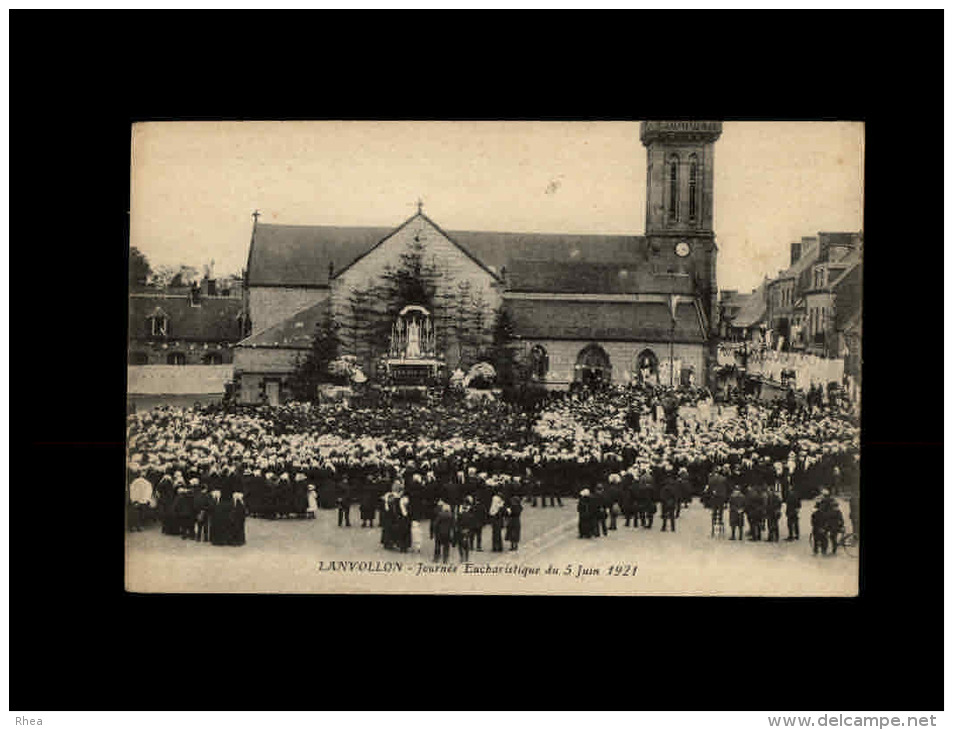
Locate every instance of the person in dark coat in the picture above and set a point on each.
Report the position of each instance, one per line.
(236, 525)
(683, 491)
(584, 508)
(497, 514)
(628, 501)
(855, 514)
(368, 505)
(599, 512)
(513, 525)
(736, 517)
(480, 518)
(442, 533)
(614, 499)
(792, 508)
(402, 524)
(773, 508)
(299, 490)
(220, 514)
(465, 524)
(754, 511)
(669, 499)
(819, 530)
(646, 501)
(183, 511)
(834, 525)
(202, 507)
(165, 494)
(344, 503)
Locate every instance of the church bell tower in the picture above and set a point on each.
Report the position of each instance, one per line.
(679, 206)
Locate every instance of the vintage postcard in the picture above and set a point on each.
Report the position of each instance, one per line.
(606, 358)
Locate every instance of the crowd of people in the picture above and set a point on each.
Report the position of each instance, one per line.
(628, 453)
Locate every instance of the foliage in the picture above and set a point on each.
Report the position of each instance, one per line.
(139, 268)
(165, 277)
(316, 367)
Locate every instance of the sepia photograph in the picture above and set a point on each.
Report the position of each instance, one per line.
(495, 357)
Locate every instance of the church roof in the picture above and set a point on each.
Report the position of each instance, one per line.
(285, 255)
(295, 333)
(215, 319)
(752, 310)
(589, 277)
(600, 320)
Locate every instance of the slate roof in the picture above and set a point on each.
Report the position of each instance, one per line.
(588, 277)
(752, 310)
(283, 255)
(214, 320)
(595, 320)
(294, 333)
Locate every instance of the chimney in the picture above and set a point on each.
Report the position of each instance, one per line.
(795, 252)
(330, 271)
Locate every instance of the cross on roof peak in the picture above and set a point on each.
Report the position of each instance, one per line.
(420, 206)
(256, 214)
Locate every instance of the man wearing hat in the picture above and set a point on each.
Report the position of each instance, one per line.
(819, 529)
(736, 519)
(202, 505)
(669, 499)
(465, 524)
(773, 515)
(442, 533)
(344, 502)
(792, 509)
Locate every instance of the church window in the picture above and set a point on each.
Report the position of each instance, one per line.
(176, 358)
(673, 189)
(213, 358)
(693, 188)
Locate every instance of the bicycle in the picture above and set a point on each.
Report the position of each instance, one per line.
(846, 541)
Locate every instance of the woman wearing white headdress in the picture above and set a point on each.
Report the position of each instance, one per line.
(496, 521)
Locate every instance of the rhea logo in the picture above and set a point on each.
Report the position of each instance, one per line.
(29, 721)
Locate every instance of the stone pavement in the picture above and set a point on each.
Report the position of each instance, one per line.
(316, 556)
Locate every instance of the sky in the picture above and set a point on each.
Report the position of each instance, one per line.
(195, 185)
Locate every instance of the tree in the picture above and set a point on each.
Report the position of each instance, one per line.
(139, 268)
(313, 369)
(510, 371)
(166, 277)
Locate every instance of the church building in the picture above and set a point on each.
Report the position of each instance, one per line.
(585, 308)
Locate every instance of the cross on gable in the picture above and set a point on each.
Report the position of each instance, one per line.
(420, 206)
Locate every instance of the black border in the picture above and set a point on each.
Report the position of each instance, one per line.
(79, 642)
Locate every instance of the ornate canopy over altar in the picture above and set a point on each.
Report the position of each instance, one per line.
(412, 356)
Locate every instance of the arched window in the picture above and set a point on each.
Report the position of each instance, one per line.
(138, 358)
(673, 189)
(176, 358)
(646, 367)
(213, 358)
(593, 366)
(539, 362)
(692, 188)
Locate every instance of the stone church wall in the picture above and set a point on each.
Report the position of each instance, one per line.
(452, 263)
(563, 355)
(269, 305)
